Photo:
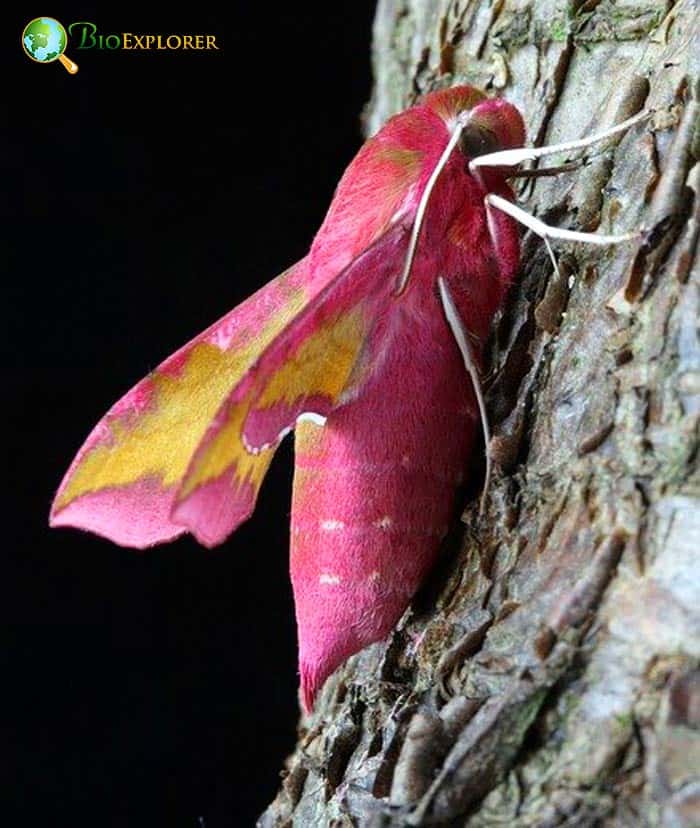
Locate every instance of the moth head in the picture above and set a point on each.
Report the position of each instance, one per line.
(490, 126)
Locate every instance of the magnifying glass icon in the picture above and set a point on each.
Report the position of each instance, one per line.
(44, 40)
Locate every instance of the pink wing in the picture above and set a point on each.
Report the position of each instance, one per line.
(135, 466)
(123, 482)
(318, 361)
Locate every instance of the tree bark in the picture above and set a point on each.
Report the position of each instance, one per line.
(549, 672)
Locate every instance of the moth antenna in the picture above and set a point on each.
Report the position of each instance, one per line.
(460, 334)
(546, 231)
(511, 157)
(462, 120)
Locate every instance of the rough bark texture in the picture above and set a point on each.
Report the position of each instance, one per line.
(549, 673)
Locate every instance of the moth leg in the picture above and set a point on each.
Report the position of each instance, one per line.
(552, 257)
(511, 157)
(541, 172)
(462, 339)
(546, 231)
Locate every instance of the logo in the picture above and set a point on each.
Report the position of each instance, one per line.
(88, 37)
(44, 40)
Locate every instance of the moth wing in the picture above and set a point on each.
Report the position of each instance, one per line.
(320, 359)
(123, 481)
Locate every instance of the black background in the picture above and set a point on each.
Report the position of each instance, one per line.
(147, 196)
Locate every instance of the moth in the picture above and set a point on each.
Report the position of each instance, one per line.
(361, 349)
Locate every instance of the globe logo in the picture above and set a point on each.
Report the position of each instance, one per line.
(44, 40)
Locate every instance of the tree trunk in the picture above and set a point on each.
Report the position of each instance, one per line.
(548, 674)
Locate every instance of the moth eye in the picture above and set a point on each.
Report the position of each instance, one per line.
(477, 139)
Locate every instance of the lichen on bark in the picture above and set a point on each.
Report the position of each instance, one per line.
(549, 672)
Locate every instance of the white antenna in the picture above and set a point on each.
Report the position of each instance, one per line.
(512, 157)
(462, 120)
